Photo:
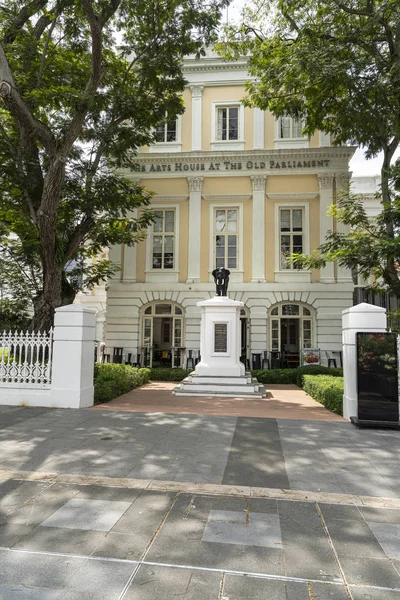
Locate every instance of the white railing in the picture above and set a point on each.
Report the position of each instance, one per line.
(25, 358)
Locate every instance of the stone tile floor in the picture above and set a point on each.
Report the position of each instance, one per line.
(78, 541)
(152, 545)
(278, 453)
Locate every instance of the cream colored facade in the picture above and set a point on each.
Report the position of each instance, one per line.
(232, 185)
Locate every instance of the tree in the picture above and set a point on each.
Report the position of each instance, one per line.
(82, 83)
(335, 65)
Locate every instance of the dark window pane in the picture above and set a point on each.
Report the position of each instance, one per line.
(171, 131)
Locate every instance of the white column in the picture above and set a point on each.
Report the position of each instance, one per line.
(129, 274)
(195, 186)
(325, 181)
(258, 238)
(258, 129)
(73, 357)
(362, 317)
(115, 256)
(197, 93)
(342, 186)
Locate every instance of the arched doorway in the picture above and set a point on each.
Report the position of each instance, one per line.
(162, 334)
(292, 327)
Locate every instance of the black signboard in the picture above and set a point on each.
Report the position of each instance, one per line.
(221, 337)
(377, 380)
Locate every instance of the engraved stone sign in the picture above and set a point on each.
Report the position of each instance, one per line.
(221, 337)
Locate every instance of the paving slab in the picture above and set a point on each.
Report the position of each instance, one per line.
(82, 513)
(161, 582)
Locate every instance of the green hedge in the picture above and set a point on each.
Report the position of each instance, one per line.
(325, 389)
(112, 380)
(168, 374)
(316, 370)
(276, 375)
(268, 376)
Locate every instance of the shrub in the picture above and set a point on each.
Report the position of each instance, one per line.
(169, 374)
(316, 370)
(112, 380)
(326, 389)
(276, 376)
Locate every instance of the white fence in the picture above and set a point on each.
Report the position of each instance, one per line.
(52, 369)
(25, 358)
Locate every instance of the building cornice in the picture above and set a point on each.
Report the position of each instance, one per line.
(294, 161)
(294, 196)
(223, 197)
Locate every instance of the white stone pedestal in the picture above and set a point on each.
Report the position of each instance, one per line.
(220, 372)
(362, 317)
(220, 338)
(73, 357)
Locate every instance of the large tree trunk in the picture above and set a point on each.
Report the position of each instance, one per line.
(45, 304)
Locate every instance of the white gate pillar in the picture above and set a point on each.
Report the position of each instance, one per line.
(73, 357)
(362, 317)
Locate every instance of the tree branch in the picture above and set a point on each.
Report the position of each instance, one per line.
(77, 237)
(24, 14)
(43, 59)
(18, 109)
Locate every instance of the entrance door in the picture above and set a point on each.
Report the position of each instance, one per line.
(290, 335)
(291, 329)
(162, 335)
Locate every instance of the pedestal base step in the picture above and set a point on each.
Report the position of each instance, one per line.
(195, 385)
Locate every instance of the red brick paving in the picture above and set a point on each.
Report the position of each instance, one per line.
(282, 402)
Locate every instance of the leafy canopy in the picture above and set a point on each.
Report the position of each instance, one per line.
(336, 66)
(83, 83)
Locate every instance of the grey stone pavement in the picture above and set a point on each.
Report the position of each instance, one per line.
(132, 506)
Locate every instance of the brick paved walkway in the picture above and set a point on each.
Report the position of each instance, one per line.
(282, 402)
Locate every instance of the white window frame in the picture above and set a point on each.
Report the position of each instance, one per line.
(292, 142)
(312, 317)
(163, 275)
(236, 274)
(175, 146)
(288, 275)
(217, 144)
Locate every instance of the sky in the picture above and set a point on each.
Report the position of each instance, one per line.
(359, 166)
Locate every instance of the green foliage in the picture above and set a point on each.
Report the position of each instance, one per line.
(327, 390)
(85, 84)
(316, 370)
(168, 374)
(336, 66)
(112, 380)
(275, 375)
(286, 376)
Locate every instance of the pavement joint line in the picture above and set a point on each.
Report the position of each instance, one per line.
(328, 535)
(196, 568)
(149, 545)
(206, 489)
(221, 587)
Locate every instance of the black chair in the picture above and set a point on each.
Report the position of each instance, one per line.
(117, 355)
(128, 359)
(256, 360)
(246, 362)
(276, 359)
(265, 362)
(190, 360)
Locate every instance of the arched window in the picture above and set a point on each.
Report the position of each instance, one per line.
(291, 327)
(162, 333)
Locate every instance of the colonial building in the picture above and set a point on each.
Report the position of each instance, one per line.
(233, 187)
